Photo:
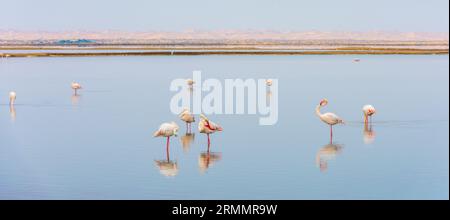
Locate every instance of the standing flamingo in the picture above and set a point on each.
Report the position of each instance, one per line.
(190, 82)
(12, 98)
(208, 127)
(368, 111)
(76, 86)
(329, 118)
(167, 130)
(187, 117)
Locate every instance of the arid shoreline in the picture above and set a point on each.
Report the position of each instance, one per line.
(167, 52)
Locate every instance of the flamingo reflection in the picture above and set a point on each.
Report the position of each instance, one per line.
(207, 159)
(75, 99)
(12, 112)
(369, 133)
(327, 153)
(167, 167)
(186, 141)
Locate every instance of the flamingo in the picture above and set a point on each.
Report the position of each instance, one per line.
(187, 117)
(190, 82)
(76, 86)
(167, 130)
(12, 98)
(329, 118)
(208, 127)
(368, 111)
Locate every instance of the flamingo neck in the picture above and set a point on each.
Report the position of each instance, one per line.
(318, 111)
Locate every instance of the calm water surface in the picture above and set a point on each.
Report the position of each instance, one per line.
(100, 146)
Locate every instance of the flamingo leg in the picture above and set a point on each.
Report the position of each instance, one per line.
(209, 141)
(168, 143)
(167, 149)
(331, 133)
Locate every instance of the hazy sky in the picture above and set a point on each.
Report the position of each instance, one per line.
(180, 15)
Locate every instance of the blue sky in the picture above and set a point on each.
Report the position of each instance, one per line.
(180, 15)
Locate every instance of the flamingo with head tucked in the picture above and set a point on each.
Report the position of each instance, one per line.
(368, 111)
(167, 130)
(208, 127)
(329, 118)
(187, 117)
(76, 86)
(12, 98)
(190, 82)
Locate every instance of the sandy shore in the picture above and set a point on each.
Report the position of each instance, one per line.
(120, 51)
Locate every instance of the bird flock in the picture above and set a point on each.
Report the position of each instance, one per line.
(208, 127)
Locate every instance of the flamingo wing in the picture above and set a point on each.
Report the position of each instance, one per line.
(332, 118)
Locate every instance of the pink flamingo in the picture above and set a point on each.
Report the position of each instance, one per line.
(368, 111)
(187, 117)
(12, 98)
(76, 86)
(167, 130)
(208, 127)
(329, 118)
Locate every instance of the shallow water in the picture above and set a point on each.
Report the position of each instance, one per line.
(100, 146)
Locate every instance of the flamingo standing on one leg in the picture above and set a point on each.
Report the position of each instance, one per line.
(12, 98)
(368, 111)
(167, 130)
(187, 117)
(76, 86)
(329, 118)
(208, 127)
